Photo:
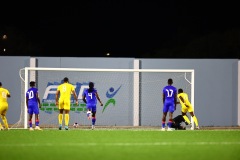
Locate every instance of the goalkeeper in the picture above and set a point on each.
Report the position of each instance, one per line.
(177, 123)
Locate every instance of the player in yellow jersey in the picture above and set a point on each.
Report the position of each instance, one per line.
(63, 101)
(4, 95)
(186, 107)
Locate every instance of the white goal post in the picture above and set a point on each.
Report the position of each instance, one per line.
(137, 101)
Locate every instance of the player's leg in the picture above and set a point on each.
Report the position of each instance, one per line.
(165, 111)
(1, 110)
(36, 112)
(190, 110)
(1, 127)
(37, 122)
(185, 117)
(89, 112)
(5, 122)
(164, 121)
(30, 115)
(170, 120)
(60, 115)
(36, 119)
(3, 116)
(66, 118)
(184, 111)
(94, 111)
(60, 118)
(194, 119)
(30, 121)
(66, 107)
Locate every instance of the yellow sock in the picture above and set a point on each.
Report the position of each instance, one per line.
(60, 118)
(66, 119)
(195, 120)
(186, 119)
(1, 126)
(5, 122)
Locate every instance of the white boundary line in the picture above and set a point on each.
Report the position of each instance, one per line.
(120, 144)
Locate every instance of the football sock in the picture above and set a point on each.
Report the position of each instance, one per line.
(93, 120)
(186, 119)
(4, 119)
(195, 120)
(60, 118)
(1, 125)
(37, 122)
(30, 123)
(163, 124)
(170, 123)
(66, 119)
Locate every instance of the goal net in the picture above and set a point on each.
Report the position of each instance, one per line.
(131, 97)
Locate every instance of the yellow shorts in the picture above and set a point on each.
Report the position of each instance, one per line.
(187, 109)
(3, 108)
(64, 104)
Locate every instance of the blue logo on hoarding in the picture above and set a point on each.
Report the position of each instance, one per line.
(110, 94)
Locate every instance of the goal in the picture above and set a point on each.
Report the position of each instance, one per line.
(131, 97)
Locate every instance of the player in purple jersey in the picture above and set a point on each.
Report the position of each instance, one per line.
(33, 104)
(90, 97)
(169, 97)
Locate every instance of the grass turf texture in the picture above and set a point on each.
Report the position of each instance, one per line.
(122, 144)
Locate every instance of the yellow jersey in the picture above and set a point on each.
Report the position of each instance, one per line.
(65, 90)
(185, 98)
(3, 95)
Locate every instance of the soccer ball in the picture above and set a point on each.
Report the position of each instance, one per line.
(75, 125)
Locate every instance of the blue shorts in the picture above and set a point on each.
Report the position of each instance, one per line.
(92, 108)
(33, 109)
(169, 107)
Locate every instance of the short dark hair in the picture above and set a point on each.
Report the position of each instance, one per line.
(91, 84)
(65, 79)
(91, 87)
(170, 81)
(0, 83)
(180, 90)
(32, 83)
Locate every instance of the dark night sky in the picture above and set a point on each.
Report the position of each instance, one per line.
(141, 29)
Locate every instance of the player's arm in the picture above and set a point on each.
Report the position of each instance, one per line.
(163, 97)
(175, 101)
(99, 99)
(56, 97)
(8, 94)
(27, 102)
(84, 98)
(180, 97)
(38, 99)
(75, 96)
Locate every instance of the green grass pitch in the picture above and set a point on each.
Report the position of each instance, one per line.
(119, 144)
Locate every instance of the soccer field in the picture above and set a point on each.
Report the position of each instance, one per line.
(119, 144)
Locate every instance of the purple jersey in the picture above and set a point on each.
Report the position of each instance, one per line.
(169, 102)
(31, 95)
(91, 99)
